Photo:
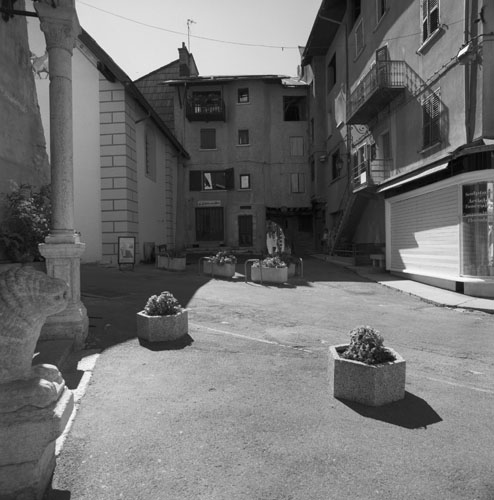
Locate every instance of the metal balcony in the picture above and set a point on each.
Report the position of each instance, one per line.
(385, 81)
(197, 110)
(371, 173)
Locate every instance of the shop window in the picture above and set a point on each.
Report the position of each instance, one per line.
(208, 138)
(478, 229)
(294, 108)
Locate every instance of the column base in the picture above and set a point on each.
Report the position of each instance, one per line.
(71, 324)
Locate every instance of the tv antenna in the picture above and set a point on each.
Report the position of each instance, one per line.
(189, 22)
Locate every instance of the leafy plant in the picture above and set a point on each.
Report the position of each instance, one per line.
(164, 304)
(274, 261)
(367, 346)
(26, 222)
(222, 258)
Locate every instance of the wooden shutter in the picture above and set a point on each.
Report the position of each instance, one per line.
(229, 179)
(195, 180)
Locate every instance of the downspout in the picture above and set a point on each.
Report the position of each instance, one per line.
(466, 36)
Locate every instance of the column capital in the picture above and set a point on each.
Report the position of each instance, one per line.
(59, 23)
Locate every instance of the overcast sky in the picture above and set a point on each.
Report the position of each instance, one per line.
(253, 36)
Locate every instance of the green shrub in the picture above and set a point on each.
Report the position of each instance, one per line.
(366, 345)
(164, 304)
(26, 222)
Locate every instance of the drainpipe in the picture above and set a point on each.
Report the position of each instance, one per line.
(466, 36)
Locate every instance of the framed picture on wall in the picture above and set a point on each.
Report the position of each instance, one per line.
(126, 250)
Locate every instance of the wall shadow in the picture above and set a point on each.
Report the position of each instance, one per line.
(411, 413)
(170, 345)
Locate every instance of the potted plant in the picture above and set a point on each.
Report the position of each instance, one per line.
(172, 260)
(163, 319)
(221, 264)
(272, 269)
(365, 371)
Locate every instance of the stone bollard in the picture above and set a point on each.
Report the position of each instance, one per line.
(35, 404)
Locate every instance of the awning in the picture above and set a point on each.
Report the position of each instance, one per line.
(419, 175)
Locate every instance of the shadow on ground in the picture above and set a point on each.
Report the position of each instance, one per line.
(411, 412)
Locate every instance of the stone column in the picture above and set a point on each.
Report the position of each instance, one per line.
(62, 248)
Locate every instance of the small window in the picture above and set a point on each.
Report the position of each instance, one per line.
(243, 137)
(294, 108)
(359, 38)
(331, 76)
(430, 18)
(431, 116)
(150, 153)
(208, 138)
(356, 10)
(244, 181)
(336, 165)
(298, 183)
(296, 146)
(380, 8)
(243, 96)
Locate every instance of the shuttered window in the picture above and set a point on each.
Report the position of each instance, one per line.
(431, 116)
(208, 138)
(430, 18)
(209, 224)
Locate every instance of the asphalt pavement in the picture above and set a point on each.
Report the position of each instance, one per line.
(242, 410)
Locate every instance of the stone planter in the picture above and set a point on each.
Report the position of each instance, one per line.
(223, 270)
(371, 385)
(162, 328)
(269, 274)
(292, 269)
(171, 263)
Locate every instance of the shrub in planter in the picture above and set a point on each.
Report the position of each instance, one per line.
(272, 269)
(172, 260)
(365, 371)
(163, 319)
(221, 264)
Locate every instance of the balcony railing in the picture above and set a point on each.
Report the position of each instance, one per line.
(383, 83)
(371, 173)
(209, 111)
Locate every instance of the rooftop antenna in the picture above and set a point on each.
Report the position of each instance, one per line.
(189, 22)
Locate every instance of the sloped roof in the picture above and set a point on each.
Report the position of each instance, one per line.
(110, 66)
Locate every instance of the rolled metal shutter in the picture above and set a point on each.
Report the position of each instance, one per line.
(425, 233)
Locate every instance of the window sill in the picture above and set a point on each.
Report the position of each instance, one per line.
(212, 149)
(242, 145)
(243, 103)
(429, 148)
(430, 41)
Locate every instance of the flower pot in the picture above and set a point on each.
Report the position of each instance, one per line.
(371, 385)
(269, 274)
(171, 263)
(222, 270)
(162, 328)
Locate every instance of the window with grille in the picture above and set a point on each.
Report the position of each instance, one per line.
(209, 224)
(298, 183)
(208, 138)
(431, 117)
(430, 18)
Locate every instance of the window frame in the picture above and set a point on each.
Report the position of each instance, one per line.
(431, 119)
(292, 104)
(241, 177)
(297, 186)
(243, 132)
(359, 29)
(203, 141)
(245, 92)
(381, 9)
(426, 14)
(331, 74)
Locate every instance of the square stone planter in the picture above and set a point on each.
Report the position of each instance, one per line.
(269, 274)
(371, 385)
(171, 263)
(223, 270)
(162, 328)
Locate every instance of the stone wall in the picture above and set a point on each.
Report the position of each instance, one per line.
(23, 155)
